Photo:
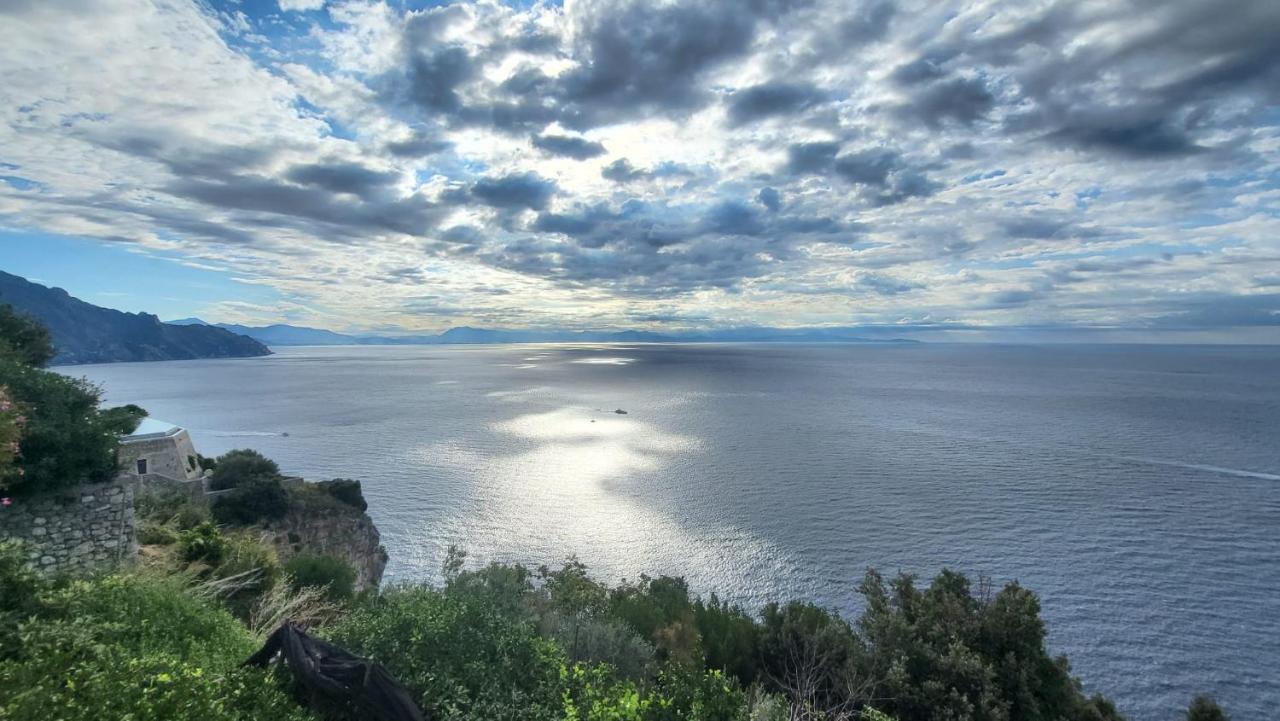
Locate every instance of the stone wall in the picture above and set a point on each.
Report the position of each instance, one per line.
(75, 529)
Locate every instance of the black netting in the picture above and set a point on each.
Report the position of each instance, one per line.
(334, 682)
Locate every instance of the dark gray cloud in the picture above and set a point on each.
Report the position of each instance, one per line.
(568, 146)
(1143, 138)
(418, 145)
(770, 99)
(342, 177)
(630, 59)
(883, 175)
(812, 157)
(622, 171)
(523, 190)
(769, 198)
(962, 100)
(295, 206)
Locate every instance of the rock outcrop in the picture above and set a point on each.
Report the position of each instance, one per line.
(336, 530)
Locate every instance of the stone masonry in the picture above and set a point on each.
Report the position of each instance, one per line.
(75, 529)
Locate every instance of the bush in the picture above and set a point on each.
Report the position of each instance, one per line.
(153, 534)
(204, 544)
(19, 588)
(459, 657)
(251, 502)
(1204, 708)
(970, 657)
(345, 490)
(315, 569)
(138, 648)
(241, 467)
(249, 569)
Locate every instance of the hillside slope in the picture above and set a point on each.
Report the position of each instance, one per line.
(86, 333)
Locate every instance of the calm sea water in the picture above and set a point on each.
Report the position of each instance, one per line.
(1137, 489)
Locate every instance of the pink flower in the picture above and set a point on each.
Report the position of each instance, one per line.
(6, 501)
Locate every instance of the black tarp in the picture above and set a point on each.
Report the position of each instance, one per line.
(335, 682)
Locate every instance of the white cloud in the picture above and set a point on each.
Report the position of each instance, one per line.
(973, 173)
(300, 5)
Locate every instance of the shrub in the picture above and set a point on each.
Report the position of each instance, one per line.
(730, 638)
(252, 501)
(459, 656)
(1204, 708)
(240, 467)
(249, 569)
(345, 490)
(596, 641)
(19, 587)
(970, 656)
(315, 569)
(204, 544)
(135, 647)
(153, 534)
(159, 504)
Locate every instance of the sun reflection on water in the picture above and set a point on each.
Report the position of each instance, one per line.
(577, 486)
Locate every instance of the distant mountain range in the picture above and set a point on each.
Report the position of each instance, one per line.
(289, 335)
(86, 333)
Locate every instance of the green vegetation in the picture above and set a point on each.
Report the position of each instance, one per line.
(24, 339)
(240, 467)
(345, 490)
(506, 642)
(138, 646)
(334, 575)
(63, 437)
(1204, 708)
(252, 501)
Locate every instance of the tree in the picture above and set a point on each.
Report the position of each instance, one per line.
(23, 338)
(241, 466)
(66, 438)
(251, 501)
(1204, 708)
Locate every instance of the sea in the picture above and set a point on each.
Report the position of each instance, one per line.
(1136, 489)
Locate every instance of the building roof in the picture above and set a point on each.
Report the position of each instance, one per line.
(150, 427)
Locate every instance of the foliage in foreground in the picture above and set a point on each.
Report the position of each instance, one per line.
(506, 642)
(127, 646)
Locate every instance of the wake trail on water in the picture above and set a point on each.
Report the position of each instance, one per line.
(1238, 472)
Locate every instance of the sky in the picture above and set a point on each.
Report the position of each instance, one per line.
(1073, 169)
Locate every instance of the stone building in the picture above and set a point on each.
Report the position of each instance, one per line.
(158, 448)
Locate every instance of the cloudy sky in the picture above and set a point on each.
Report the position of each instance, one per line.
(1073, 169)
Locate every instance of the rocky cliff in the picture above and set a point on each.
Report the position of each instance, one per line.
(332, 529)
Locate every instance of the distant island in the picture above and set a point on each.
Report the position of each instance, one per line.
(86, 333)
(291, 335)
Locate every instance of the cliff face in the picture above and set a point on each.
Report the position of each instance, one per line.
(340, 531)
(86, 333)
